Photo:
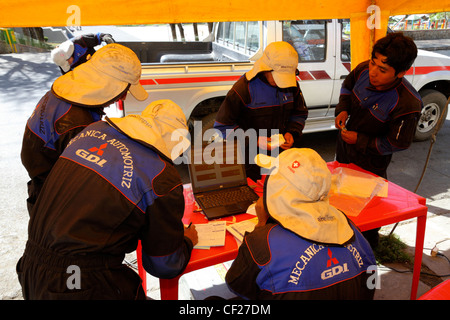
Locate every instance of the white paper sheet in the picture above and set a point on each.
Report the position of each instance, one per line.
(238, 229)
(211, 234)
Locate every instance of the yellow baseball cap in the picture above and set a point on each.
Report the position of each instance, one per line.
(103, 78)
(280, 58)
(162, 125)
(297, 196)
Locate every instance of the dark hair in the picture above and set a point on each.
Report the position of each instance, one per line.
(400, 51)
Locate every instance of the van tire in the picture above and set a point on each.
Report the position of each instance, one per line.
(434, 104)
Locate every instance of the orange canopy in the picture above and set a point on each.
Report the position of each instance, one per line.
(38, 13)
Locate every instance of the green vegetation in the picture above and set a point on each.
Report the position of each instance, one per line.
(391, 249)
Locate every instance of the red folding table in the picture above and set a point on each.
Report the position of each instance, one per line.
(399, 205)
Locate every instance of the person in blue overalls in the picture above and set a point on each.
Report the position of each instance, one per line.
(78, 50)
(266, 98)
(302, 247)
(75, 100)
(114, 184)
(378, 109)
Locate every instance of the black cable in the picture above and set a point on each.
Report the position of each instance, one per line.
(432, 141)
(421, 272)
(443, 255)
(425, 273)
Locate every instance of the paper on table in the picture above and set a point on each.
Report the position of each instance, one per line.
(210, 234)
(359, 184)
(238, 229)
(251, 209)
(352, 190)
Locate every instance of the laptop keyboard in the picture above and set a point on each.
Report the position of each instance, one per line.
(228, 197)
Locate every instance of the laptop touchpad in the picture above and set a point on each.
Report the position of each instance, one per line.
(233, 207)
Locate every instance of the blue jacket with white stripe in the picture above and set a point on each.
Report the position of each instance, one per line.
(255, 104)
(53, 123)
(275, 263)
(385, 120)
(111, 192)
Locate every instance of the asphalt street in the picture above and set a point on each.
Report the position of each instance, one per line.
(25, 77)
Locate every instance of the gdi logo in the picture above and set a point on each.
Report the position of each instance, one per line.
(334, 271)
(331, 260)
(91, 157)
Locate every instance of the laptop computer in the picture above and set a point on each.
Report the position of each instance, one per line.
(219, 182)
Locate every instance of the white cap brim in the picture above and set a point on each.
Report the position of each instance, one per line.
(65, 66)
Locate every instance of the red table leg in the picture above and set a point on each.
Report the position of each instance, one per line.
(169, 288)
(141, 271)
(420, 236)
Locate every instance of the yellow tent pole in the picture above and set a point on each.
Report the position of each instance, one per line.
(11, 39)
(381, 32)
(360, 35)
(366, 29)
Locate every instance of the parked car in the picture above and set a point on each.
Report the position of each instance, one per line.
(198, 75)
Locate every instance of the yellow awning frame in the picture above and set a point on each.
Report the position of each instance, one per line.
(367, 25)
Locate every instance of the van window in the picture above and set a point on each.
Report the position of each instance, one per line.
(239, 36)
(253, 36)
(308, 37)
(228, 32)
(220, 32)
(345, 40)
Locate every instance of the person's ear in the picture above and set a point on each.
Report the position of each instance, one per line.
(401, 74)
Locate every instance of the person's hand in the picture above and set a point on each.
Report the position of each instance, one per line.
(349, 137)
(261, 213)
(108, 39)
(192, 234)
(340, 120)
(289, 141)
(263, 143)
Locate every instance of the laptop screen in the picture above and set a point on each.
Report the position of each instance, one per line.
(216, 166)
